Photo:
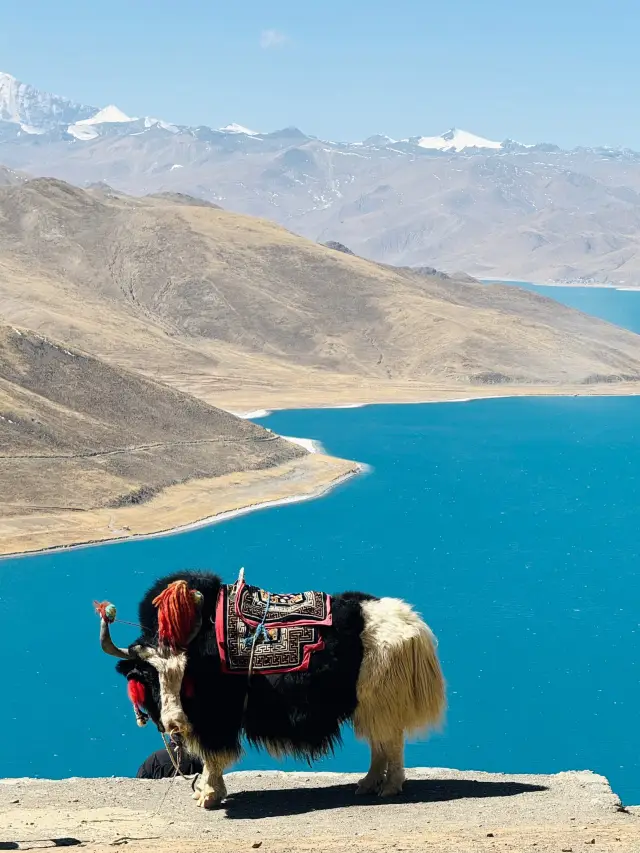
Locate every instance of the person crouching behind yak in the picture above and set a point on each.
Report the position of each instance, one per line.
(159, 766)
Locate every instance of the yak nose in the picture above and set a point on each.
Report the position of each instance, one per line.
(173, 727)
(176, 727)
(177, 738)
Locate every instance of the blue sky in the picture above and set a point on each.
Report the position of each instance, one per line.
(565, 71)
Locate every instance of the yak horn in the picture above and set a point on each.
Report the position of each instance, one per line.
(198, 623)
(107, 613)
(109, 646)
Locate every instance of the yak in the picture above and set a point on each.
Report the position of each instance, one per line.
(368, 661)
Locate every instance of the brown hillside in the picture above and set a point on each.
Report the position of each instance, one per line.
(78, 433)
(232, 307)
(89, 451)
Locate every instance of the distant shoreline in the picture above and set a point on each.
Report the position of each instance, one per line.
(596, 285)
(634, 391)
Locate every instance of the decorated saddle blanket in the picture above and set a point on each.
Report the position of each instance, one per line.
(269, 633)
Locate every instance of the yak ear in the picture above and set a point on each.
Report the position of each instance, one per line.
(126, 667)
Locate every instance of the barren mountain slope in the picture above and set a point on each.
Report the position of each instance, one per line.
(216, 302)
(9, 177)
(458, 201)
(529, 214)
(76, 432)
(90, 452)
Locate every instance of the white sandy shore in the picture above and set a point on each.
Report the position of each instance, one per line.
(225, 516)
(596, 286)
(252, 416)
(309, 444)
(314, 446)
(600, 285)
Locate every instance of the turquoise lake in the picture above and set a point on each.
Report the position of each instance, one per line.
(511, 524)
(621, 307)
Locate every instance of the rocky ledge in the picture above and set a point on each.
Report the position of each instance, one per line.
(440, 810)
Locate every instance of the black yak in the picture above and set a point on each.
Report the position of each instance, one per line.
(217, 662)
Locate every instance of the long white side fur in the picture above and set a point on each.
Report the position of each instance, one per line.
(400, 686)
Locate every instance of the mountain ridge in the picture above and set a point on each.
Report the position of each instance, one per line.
(532, 213)
(38, 112)
(186, 307)
(216, 303)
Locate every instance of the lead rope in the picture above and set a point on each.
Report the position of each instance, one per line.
(260, 630)
(177, 772)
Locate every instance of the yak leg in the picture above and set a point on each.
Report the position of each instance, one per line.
(212, 789)
(375, 777)
(394, 753)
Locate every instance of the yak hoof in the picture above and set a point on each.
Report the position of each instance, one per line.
(391, 788)
(209, 798)
(369, 785)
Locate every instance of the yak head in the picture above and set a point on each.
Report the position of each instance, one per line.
(155, 665)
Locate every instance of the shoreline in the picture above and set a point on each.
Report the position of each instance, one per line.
(311, 445)
(226, 515)
(596, 285)
(347, 470)
(343, 471)
(258, 414)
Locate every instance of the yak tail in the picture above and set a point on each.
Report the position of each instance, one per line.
(400, 685)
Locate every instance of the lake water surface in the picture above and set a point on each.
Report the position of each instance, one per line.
(511, 524)
(621, 307)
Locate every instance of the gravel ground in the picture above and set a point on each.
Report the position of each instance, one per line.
(440, 810)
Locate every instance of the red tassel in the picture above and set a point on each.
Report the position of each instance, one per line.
(176, 614)
(136, 692)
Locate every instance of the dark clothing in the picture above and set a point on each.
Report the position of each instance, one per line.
(158, 765)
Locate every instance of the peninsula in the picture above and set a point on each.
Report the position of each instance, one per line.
(132, 323)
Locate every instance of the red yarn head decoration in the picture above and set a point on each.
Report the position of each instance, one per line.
(136, 692)
(177, 614)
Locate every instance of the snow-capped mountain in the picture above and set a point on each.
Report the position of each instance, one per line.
(238, 128)
(455, 201)
(27, 110)
(86, 128)
(455, 140)
(37, 112)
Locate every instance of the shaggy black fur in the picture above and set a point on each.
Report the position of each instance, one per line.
(298, 713)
